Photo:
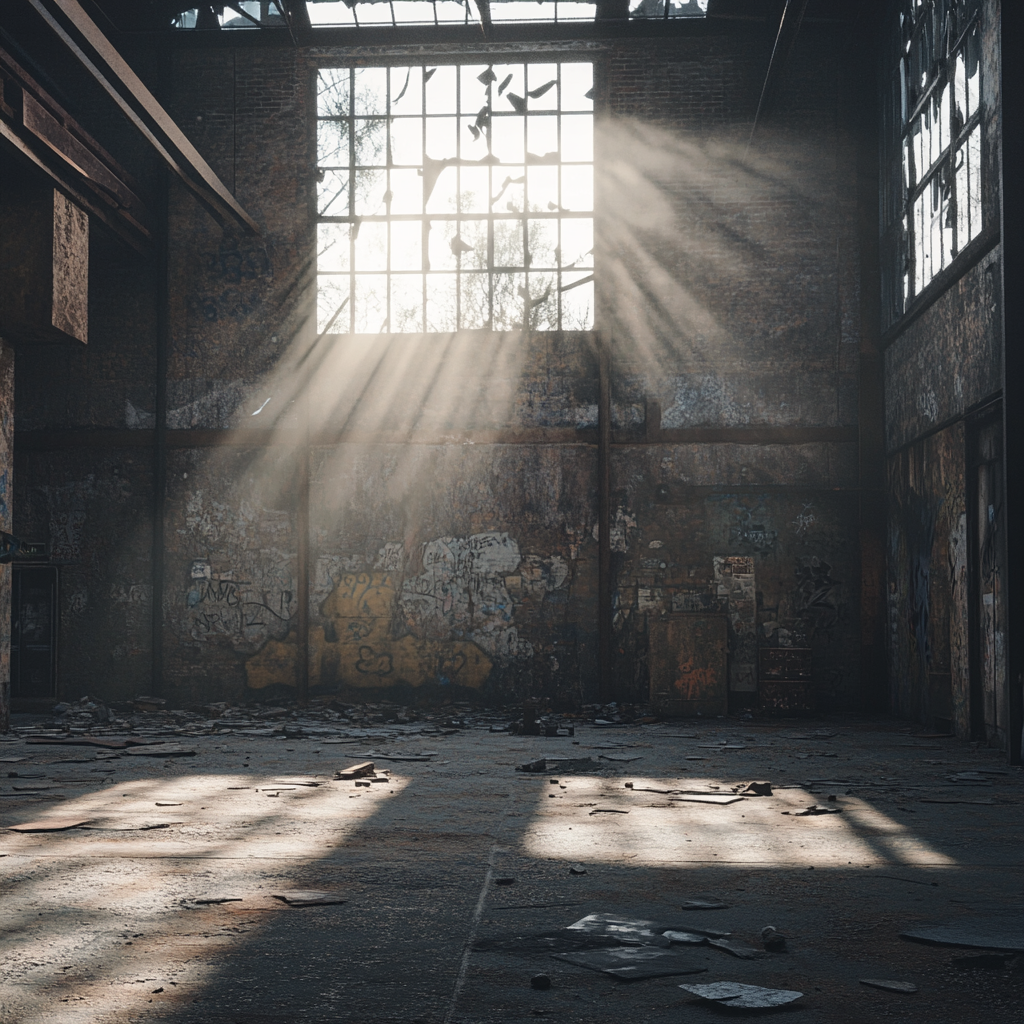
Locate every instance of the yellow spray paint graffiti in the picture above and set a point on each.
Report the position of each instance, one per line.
(357, 648)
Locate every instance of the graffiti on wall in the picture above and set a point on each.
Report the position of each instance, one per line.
(736, 587)
(240, 588)
(448, 624)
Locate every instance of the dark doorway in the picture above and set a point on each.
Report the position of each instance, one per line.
(987, 600)
(34, 632)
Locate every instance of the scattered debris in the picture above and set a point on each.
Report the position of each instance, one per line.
(621, 929)
(541, 982)
(1005, 934)
(210, 900)
(983, 961)
(686, 938)
(160, 751)
(114, 825)
(308, 898)
(505, 881)
(758, 789)
(890, 986)
(608, 757)
(633, 963)
(736, 949)
(50, 825)
(540, 765)
(167, 803)
(746, 997)
(577, 869)
(609, 810)
(772, 939)
(87, 741)
(707, 798)
(357, 771)
(704, 905)
(813, 810)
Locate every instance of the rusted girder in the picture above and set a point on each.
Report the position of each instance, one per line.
(106, 65)
(43, 133)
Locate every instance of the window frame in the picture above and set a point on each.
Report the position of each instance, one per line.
(346, 323)
(927, 38)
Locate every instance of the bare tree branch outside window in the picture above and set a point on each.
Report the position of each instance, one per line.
(455, 197)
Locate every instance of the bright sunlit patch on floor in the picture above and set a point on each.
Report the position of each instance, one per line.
(126, 884)
(584, 822)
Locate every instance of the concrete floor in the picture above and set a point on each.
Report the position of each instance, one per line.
(100, 925)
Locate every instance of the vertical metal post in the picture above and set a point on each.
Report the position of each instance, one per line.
(163, 338)
(864, 114)
(1011, 91)
(604, 519)
(302, 571)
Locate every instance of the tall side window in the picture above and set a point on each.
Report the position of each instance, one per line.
(455, 198)
(931, 195)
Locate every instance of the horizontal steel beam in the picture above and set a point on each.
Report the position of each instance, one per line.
(106, 65)
(35, 126)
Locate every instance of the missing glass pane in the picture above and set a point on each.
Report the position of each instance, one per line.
(477, 177)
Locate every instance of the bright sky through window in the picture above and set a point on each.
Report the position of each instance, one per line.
(455, 197)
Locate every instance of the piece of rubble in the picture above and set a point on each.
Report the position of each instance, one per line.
(356, 771)
(703, 905)
(622, 929)
(773, 940)
(633, 963)
(814, 809)
(686, 938)
(213, 900)
(722, 800)
(540, 765)
(308, 898)
(1005, 934)
(577, 869)
(50, 825)
(743, 997)
(609, 810)
(160, 751)
(737, 949)
(889, 986)
(983, 961)
(758, 789)
(541, 982)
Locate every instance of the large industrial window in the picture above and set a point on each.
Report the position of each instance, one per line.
(932, 162)
(455, 197)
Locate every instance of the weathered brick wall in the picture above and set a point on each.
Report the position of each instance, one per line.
(733, 304)
(941, 366)
(453, 534)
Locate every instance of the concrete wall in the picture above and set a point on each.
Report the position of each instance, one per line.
(452, 490)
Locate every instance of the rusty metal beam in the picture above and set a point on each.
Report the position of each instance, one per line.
(37, 128)
(106, 65)
(785, 39)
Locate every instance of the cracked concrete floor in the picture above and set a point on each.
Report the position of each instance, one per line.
(101, 924)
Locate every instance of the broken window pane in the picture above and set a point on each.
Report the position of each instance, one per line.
(494, 140)
(931, 202)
